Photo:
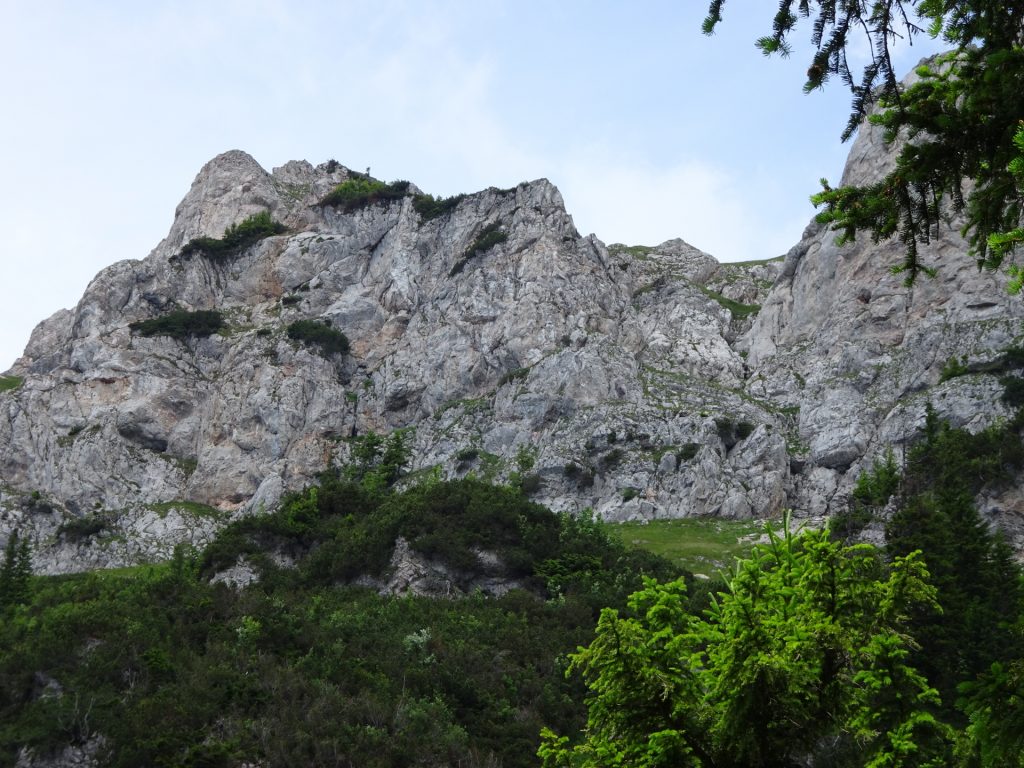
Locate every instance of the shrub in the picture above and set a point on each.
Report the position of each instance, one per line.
(1013, 392)
(611, 459)
(731, 432)
(468, 454)
(10, 383)
(529, 484)
(237, 238)
(489, 236)
(360, 191)
(81, 528)
(953, 368)
(584, 476)
(180, 324)
(329, 340)
(875, 486)
(687, 452)
(516, 375)
(430, 207)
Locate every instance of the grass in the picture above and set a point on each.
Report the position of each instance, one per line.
(636, 251)
(753, 262)
(705, 546)
(191, 508)
(737, 309)
(10, 383)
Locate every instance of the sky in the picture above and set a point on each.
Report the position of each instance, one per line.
(650, 129)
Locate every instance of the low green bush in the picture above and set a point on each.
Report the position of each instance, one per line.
(953, 368)
(583, 476)
(731, 432)
(328, 340)
(468, 454)
(687, 452)
(611, 459)
(81, 528)
(237, 238)
(529, 484)
(360, 191)
(10, 383)
(430, 207)
(515, 375)
(180, 324)
(489, 236)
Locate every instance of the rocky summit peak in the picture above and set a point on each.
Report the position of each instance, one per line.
(204, 381)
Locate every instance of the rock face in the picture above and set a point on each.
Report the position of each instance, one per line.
(641, 382)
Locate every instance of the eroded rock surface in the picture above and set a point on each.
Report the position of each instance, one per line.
(641, 382)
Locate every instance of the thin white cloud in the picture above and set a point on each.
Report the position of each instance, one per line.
(633, 202)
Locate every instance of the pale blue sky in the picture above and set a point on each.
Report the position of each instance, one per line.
(649, 129)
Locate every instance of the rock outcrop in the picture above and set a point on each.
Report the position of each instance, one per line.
(641, 382)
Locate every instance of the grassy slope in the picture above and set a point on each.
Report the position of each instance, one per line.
(704, 546)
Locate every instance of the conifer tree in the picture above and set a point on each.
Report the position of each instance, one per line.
(959, 118)
(15, 572)
(977, 583)
(805, 660)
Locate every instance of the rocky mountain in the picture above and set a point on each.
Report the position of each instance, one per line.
(641, 382)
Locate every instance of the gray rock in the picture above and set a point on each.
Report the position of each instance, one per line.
(647, 382)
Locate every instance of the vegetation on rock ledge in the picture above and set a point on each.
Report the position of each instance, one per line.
(237, 238)
(360, 191)
(180, 324)
(328, 340)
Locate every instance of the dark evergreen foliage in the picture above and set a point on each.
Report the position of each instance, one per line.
(299, 668)
(360, 191)
(328, 340)
(978, 585)
(181, 324)
(15, 572)
(489, 236)
(961, 116)
(430, 207)
(237, 238)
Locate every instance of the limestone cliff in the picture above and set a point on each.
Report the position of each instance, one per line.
(642, 382)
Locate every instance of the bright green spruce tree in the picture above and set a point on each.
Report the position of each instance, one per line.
(806, 657)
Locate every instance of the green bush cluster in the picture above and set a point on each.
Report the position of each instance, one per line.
(237, 238)
(489, 236)
(430, 207)
(872, 492)
(328, 340)
(81, 528)
(517, 374)
(953, 368)
(731, 431)
(172, 669)
(181, 324)
(360, 191)
(583, 476)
